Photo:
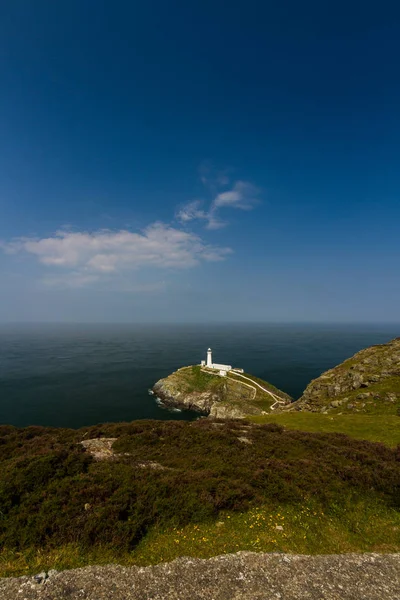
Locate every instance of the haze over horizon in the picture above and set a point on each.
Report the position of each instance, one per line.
(198, 162)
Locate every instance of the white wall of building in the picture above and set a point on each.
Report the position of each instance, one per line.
(221, 367)
(210, 365)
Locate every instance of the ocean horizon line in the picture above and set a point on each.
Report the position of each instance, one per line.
(216, 322)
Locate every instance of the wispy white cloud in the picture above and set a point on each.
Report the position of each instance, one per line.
(239, 195)
(193, 212)
(214, 222)
(88, 256)
(243, 195)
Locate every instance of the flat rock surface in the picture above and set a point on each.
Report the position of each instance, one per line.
(245, 575)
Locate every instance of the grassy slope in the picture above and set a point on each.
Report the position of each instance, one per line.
(382, 428)
(262, 400)
(215, 494)
(268, 386)
(193, 379)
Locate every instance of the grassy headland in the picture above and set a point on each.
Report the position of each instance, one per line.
(233, 396)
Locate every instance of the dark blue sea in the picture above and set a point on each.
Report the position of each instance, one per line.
(74, 375)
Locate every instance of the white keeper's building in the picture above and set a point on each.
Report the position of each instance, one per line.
(223, 369)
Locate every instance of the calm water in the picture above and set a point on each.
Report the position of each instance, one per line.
(75, 375)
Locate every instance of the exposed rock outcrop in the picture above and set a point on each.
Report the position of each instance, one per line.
(368, 382)
(100, 448)
(229, 397)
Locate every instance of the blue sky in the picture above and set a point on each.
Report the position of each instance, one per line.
(199, 161)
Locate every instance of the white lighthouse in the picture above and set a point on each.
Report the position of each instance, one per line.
(209, 358)
(223, 369)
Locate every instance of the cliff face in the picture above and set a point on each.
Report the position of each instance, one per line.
(368, 382)
(220, 397)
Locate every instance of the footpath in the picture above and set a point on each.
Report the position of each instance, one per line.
(274, 396)
(244, 576)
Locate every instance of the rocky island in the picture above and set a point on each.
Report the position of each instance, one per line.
(234, 395)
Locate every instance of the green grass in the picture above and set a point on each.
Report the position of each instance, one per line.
(306, 529)
(262, 400)
(267, 385)
(196, 380)
(378, 428)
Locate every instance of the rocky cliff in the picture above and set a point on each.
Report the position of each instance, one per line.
(234, 396)
(368, 382)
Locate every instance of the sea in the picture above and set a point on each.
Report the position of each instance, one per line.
(73, 375)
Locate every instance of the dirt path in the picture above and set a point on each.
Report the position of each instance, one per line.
(233, 375)
(244, 576)
(274, 396)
